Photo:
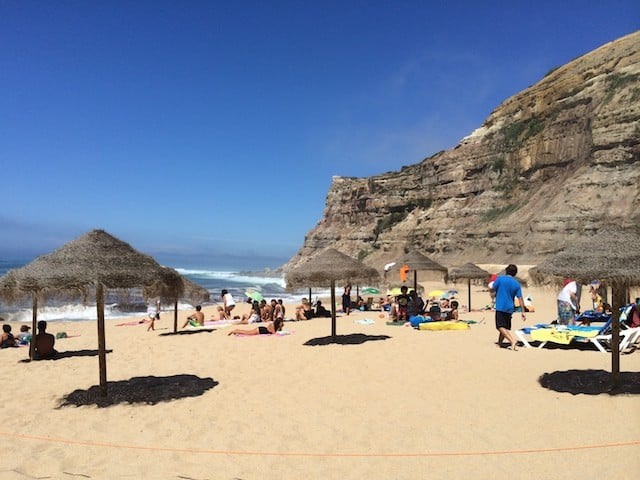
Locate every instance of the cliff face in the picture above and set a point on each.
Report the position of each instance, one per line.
(558, 161)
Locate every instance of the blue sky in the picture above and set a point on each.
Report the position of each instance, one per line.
(207, 132)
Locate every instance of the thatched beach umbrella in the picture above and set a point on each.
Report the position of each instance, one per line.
(92, 262)
(417, 261)
(468, 271)
(190, 291)
(613, 258)
(325, 269)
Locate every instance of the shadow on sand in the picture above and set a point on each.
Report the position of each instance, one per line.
(67, 354)
(188, 332)
(591, 382)
(351, 339)
(148, 390)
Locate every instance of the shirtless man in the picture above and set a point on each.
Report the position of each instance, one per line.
(44, 342)
(196, 319)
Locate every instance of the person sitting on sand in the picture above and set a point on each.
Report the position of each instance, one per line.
(252, 317)
(321, 311)
(269, 329)
(44, 343)
(219, 315)
(386, 303)
(196, 319)
(7, 340)
(24, 337)
(403, 304)
(277, 309)
(452, 314)
(266, 311)
(304, 311)
(416, 304)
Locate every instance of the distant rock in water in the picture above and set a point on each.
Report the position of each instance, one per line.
(556, 162)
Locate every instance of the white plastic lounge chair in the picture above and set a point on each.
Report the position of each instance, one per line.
(601, 338)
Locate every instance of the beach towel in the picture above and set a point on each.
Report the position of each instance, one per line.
(563, 335)
(551, 335)
(444, 325)
(365, 321)
(281, 333)
(133, 323)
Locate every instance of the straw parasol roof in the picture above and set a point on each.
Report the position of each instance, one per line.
(329, 266)
(325, 269)
(613, 257)
(95, 257)
(190, 291)
(416, 261)
(468, 271)
(94, 261)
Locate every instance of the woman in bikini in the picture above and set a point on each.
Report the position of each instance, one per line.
(270, 329)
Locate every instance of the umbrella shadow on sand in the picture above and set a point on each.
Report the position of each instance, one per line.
(351, 339)
(146, 390)
(68, 354)
(188, 332)
(591, 382)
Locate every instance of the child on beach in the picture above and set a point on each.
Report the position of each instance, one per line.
(24, 337)
(219, 315)
(453, 313)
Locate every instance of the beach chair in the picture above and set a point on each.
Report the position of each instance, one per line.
(600, 337)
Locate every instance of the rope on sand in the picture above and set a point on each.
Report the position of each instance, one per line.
(325, 455)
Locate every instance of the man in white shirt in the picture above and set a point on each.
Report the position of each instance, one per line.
(568, 302)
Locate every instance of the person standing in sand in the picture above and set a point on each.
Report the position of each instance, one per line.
(507, 288)
(346, 299)
(568, 302)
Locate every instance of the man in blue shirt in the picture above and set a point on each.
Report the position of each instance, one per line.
(507, 288)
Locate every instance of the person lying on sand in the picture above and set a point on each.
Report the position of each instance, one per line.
(270, 329)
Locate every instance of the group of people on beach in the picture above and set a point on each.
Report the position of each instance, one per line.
(43, 341)
(409, 305)
(270, 314)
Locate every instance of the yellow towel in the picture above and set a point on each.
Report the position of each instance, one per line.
(563, 336)
(551, 335)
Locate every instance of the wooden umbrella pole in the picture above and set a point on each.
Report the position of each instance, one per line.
(415, 280)
(175, 316)
(618, 295)
(34, 325)
(333, 309)
(469, 289)
(102, 351)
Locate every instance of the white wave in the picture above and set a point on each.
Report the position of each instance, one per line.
(79, 312)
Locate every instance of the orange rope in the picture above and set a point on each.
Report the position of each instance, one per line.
(327, 455)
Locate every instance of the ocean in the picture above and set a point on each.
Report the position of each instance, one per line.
(237, 282)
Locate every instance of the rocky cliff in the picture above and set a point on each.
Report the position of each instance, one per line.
(558, 161)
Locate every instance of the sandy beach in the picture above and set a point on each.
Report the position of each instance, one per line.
(389, 403)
